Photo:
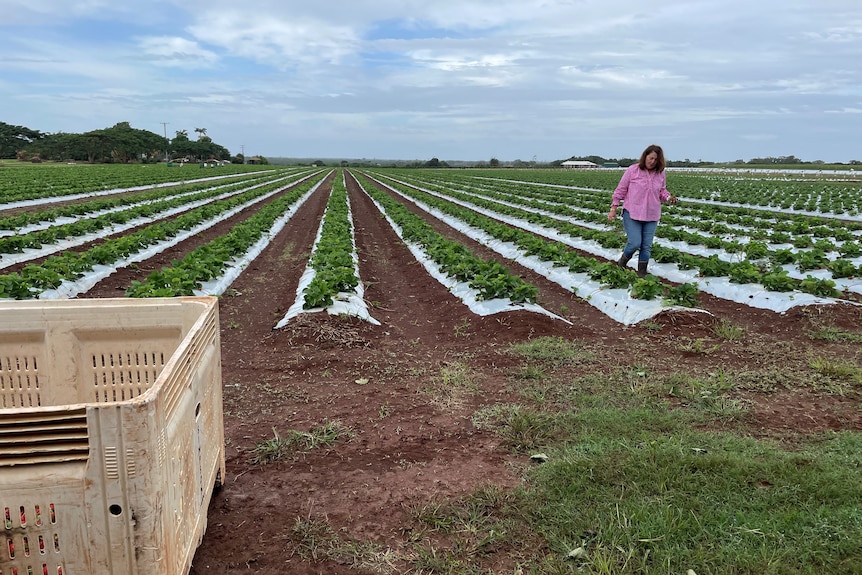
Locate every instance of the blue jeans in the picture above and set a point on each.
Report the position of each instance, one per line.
(640, 236)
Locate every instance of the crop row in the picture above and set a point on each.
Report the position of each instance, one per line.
(837, 196)
(45, 217)
(758, 254)
(109, 218)
(68, 266)
(213, 258)
(333, 260)
(490, 278)
(25, 183)
(557, 252)
(715, 220)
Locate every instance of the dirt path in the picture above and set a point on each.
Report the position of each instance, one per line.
(412, 442)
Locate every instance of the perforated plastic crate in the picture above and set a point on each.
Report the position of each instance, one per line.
(111, 434)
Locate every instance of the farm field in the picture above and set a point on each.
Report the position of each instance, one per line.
(425, 437)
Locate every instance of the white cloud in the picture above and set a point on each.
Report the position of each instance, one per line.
(519, 77)
(172, 51)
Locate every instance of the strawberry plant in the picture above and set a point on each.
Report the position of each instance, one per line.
(682, 295)
(647, 288)
(817, 286)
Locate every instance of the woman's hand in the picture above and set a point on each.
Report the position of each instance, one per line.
(612, 214)
(672, 200)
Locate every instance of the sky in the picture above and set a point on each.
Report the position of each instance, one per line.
(530, 80)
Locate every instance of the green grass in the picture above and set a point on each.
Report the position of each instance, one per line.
(638, 479)
(550, 351)
(644, 493)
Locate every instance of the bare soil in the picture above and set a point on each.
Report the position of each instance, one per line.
(409, 448)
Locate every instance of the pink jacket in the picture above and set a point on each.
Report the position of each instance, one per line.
(643, 192)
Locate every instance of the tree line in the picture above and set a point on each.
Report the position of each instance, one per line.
(120, 143)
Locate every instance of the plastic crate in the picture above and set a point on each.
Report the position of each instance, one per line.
(111, 434)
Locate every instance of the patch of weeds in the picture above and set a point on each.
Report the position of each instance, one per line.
(840, 374)
(837, 369)
(233, 324)
(538, 391)
(698, 346)
(530, 372)
(318, 542)
(454, 382)
(278, 448)
(471, 527)
(728, 331)
(834, 334)
(709, 394)
(429, 560)
(462, 329)
(651, 326)
(384, 411)
(550, 351)
(767, 380)
(519, 428)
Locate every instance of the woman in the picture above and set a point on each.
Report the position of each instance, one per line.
(643, 188)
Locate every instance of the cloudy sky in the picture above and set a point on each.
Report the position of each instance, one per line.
(452, 79)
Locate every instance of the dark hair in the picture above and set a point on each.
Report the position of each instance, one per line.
(659, 161)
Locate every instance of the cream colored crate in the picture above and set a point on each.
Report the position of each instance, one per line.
(111, 434)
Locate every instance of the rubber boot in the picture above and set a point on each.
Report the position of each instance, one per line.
(642, 269)
(623, 261)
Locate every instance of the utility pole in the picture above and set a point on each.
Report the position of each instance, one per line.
(167, 145)
(242, 147)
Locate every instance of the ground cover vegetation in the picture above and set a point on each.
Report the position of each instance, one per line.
(722, 438)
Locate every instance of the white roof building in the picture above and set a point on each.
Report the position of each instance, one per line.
(578, 164)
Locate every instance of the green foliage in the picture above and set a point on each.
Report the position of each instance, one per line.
(817, 286)
(842, 269)
(779, 280)
(683, 295)
(332, 260)
(647, 288)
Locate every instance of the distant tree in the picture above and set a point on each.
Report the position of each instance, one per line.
(494, 163)
(60, 147)
(435, 163)
(15, 138)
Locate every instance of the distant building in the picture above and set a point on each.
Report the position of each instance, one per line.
(578, 165)
(610, 165)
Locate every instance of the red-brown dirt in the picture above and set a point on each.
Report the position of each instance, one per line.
(408, 447)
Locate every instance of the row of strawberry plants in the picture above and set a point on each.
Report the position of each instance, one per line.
(67, 266)
(83, 226)
(715, 219)
(212, 259)
(556, 252)
(95, 206)
(333, 258)
(804, 259)
(30, 182)
(826, 193)
(772, 278)
(490, 278)
(821, 226)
